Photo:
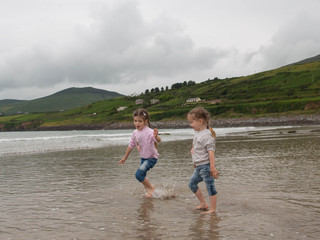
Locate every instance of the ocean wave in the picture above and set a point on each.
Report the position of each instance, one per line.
(33, 142)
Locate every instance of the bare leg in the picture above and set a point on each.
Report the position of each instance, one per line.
(149, 187)
(213, 204)
(203, 204)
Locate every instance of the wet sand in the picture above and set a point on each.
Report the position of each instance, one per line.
(268, 189)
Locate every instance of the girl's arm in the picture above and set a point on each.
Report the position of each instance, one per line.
(213, 171)
(126, 155)
(156, 135)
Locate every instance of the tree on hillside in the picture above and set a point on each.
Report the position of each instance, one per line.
(176, 86)
(191, 83)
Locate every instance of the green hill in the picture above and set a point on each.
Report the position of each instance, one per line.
(64, 100)
(6, 102)
(290, 90)
(308, 60)
(10, 102)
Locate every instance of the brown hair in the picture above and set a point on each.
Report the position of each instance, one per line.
(201, 113)
(143, 113)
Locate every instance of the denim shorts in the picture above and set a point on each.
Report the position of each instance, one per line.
(202, 173)
(145, 166)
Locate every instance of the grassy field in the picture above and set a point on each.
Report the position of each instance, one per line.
(290, 90)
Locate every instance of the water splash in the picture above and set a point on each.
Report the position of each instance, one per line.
(163, 194)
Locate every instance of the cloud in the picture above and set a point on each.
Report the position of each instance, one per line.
(295, 41)
(118, 46)
(132, 45)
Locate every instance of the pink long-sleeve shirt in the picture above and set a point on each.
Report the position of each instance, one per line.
(146, 141)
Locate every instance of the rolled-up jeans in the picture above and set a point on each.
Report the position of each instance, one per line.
(145, 165)
(202, 173)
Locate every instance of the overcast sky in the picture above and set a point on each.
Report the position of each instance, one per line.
(129, 46)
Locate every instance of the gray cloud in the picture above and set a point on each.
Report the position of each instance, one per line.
(118, 46)
(293, 42)
(131, 45)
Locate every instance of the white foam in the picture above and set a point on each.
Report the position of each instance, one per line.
(163, 194)
(33, 142)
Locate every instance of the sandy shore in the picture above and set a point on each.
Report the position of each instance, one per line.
(232, 122)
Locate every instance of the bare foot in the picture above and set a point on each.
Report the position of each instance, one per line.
(150, 191)
(202, 207)
(210, 211)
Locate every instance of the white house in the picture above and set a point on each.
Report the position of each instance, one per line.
(121, 108)
(191, 100)
(154, 101)
(139, 101)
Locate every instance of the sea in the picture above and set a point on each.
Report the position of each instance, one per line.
(69, 185)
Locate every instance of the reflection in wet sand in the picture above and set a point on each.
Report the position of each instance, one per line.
(147, 226)
(204, 226)
(268, 188)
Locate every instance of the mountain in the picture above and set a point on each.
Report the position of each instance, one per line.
(9, 102)
(64, 100)
(308, 60)
(286, 91)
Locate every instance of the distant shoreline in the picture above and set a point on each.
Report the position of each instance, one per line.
(231, 122)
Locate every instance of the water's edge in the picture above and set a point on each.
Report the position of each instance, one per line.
(295, 120)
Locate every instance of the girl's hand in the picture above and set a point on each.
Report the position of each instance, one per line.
(191, 151)
(122, 161)
(156, 135)
(214, 173)
(155, 132)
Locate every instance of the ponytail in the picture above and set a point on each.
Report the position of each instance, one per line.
(213, 133)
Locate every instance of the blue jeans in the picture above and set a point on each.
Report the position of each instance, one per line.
(145, 166)
(202, 173)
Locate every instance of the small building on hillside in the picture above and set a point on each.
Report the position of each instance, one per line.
(139, 101)
(154, 101)
(121, 108)
(191, 100)
(215, 101)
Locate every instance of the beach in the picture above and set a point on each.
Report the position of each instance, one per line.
(294, 120)
(75, 188)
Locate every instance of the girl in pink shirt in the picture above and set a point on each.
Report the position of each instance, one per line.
(146, 141)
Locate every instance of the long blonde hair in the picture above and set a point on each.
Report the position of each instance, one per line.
(201, 113)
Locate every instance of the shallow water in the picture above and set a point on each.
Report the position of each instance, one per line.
(268, 189)
(13, 143)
